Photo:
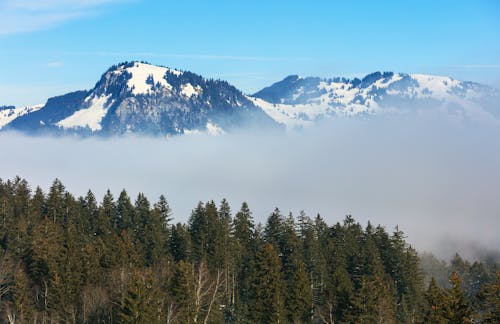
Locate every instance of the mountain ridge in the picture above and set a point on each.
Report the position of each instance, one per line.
(296, 101)
(138, 97)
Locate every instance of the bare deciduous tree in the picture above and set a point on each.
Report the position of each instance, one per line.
(207, 291)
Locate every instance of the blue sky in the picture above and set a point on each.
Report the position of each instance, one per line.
(49, 47)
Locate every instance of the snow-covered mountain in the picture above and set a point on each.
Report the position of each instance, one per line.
(9, 113)
(142, 98)
(297, 102)
(138, 97)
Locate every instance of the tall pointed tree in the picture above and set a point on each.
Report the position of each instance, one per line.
(267, 302)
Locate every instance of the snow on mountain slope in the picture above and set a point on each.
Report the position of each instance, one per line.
(8, 114)
(297, 102)
(90, 117)
(136, 97)
(289, 115)
(214, 130)
(145, 76)
(188, 90)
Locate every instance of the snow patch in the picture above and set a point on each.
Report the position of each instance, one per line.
(438, 86)
(8, 115)
(90, 117)
(287, 115)
(186, 131)
(141, 72)
(214, 130)
(188, 90)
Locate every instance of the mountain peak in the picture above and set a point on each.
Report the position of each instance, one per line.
(139, 97)
(141, 77)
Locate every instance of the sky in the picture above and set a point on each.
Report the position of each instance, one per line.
(50, 47)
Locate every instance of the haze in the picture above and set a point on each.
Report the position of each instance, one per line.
(438, 181)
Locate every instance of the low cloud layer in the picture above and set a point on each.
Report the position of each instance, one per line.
(439, 182)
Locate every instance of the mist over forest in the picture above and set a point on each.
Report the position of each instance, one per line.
(437, 180)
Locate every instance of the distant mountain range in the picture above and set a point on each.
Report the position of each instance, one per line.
(137, 97)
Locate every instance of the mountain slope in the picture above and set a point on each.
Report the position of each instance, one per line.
(10, 113)
(138, 97)
(298, 102)
(142, 98)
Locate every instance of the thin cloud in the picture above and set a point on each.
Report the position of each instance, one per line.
(54, 64)
(36, 5)
(32, 15)
(478, 66)
(189, 56)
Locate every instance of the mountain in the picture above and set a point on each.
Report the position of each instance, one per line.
(298, 102)
(10, 113)
(137, 97)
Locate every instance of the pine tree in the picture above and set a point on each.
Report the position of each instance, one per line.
(55, 204)
(90, 213)
(22, 295)
(106, 216)
(182, 290)
(107, 237)
(274, 229)
(244, 238)
(198, 232)
(229, 266)
(489, 299)
(179, 243)
(156, 232)
(142, 302)
(266, 303)
(142, 215)
(38, 208)
(435, 309)
(125, 212)
(297, 292)
(458, 309)
(215, 246)
(243, 228)
(314, 261)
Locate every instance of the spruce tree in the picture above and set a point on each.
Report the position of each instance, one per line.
(458, 308)
(244, 240)
(182, 290)
(489, 301)
(179, 243)
(142, 301)
(435, 308)
(198, 233)
(125, 211)
(266, 302)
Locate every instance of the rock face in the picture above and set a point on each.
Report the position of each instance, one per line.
(137, 97)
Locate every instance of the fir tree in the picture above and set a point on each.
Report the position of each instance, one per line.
(435, 309)
(489, 299)
(458, 309)
(182, 290)
(266, 302)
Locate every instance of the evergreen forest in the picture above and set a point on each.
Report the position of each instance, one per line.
(122, 259)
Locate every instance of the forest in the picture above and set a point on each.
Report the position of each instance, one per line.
(121, 260)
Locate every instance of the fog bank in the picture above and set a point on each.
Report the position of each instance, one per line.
(440, 182)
